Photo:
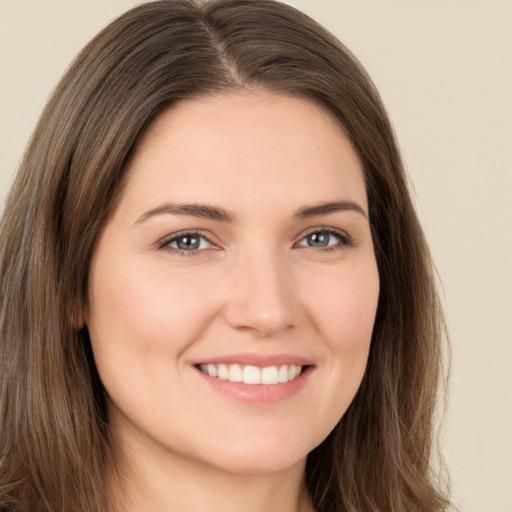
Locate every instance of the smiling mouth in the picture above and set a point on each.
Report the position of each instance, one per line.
(248, 374)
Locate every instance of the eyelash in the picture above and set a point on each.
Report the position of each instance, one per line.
(165, 244)
(344, 241)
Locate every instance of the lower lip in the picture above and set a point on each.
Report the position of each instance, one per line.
(259, 393)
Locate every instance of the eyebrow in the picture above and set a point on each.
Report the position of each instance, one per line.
(219, 214)
(190, 209)
(327, 208)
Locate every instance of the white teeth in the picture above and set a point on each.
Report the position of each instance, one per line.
(269, 375)
(235, 373)
(252, 374)
(223, 372)
(283, 374)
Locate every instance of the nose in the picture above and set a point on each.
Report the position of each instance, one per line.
(262, 296)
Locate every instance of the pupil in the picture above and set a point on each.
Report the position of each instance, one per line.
(188, 243)
(318, 239)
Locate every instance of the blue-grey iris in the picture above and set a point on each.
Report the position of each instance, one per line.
(188, 243)
(319, 239)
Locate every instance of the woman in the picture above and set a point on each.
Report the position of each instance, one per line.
(215, 290)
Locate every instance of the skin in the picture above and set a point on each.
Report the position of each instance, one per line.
(255, 285)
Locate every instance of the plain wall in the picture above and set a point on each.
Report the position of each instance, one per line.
(444, 68)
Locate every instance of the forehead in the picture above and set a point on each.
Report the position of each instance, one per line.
(244, 144)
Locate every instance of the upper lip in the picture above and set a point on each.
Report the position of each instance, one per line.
(259, 360)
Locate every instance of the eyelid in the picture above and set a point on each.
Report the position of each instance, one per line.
(164, 242)
(345, 239)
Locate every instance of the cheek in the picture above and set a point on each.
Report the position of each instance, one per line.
(344, 316)
(138, 318)
(344, 309)
(146, 300)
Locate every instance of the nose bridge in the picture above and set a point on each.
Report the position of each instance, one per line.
(262, 295)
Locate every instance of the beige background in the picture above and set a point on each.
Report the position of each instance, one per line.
(444, 68)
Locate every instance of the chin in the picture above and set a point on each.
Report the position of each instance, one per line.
(249, 464)
(267, 455)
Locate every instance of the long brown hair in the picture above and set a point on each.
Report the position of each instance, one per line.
(54, 431)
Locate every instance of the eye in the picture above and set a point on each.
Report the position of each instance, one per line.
(324, 239)
(187, 242)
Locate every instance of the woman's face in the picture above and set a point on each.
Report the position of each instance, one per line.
(239, 249)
